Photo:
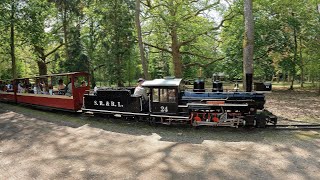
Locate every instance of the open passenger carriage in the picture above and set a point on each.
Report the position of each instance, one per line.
(43, 90)
(7, 93)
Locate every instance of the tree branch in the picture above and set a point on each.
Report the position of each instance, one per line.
(201, 10)
(270, 48)
(198, 55)
(157, 47)
(54, 50)
(186, 42)
(98, 67)
(203, 65)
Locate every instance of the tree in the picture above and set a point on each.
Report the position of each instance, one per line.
(248, 43)
(44, 42)
(71, 16)
(12, 42)
(117, 24)
(282, 40)
(141, 48)
(183, 23)
(9, 19)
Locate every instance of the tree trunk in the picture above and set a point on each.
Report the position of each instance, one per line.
(42, 61)
(295, 56)
(142, 56)
(42, 67)
(176, 55)
(12, 44)
(301, 64)
(65, 28)
(319, 88)
(118, 70)
(248, 42)
(93, 80)
(291, 85)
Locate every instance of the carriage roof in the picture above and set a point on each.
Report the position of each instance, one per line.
(52, 75)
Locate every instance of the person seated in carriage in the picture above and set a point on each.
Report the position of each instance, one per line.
(10, 86)
(21, 87)
(68, 88)
(61, 87)
(3, 86)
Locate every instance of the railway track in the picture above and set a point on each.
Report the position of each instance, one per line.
(294, 126)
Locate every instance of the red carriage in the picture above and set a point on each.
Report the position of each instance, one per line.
(43, 90)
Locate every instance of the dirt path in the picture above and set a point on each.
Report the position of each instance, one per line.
(54, 145)
(294, 106)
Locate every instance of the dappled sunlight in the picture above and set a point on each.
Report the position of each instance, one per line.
(92, 151)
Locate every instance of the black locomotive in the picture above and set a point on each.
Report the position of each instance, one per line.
(170, 102)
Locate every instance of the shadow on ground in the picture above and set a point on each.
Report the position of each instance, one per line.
(56, 145)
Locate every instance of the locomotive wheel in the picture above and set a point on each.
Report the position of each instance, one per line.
(153, 121)
(261, 120)
(139, 118)
(194, 125)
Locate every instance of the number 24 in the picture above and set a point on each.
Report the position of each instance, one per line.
(164, 109)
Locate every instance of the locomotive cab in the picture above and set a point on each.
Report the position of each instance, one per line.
(163, 95)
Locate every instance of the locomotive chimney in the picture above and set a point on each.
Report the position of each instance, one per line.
(249, 82)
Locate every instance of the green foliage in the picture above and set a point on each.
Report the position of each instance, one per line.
(117, 45)
(183, 28)
(99, 37)
(274, 47)
(77, 61)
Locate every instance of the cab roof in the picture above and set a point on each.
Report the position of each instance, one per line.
(168, 82)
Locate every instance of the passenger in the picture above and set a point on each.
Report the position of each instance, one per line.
(27, 87)
(45, 89)
(3, 86)
(140, 91)
(20, 88)
(68, 88)
(37, 88)
(95, 89)
(61, 87)
(83, 84)
(10, 87)
(50, 89)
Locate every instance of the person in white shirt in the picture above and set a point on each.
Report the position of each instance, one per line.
(21, 88)
(140, 91)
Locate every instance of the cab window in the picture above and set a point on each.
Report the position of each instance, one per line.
(164, 95)
(155, 93)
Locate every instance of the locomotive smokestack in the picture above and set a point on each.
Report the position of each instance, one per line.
(249, 82)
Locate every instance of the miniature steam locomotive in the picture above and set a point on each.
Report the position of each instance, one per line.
(170, 102)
